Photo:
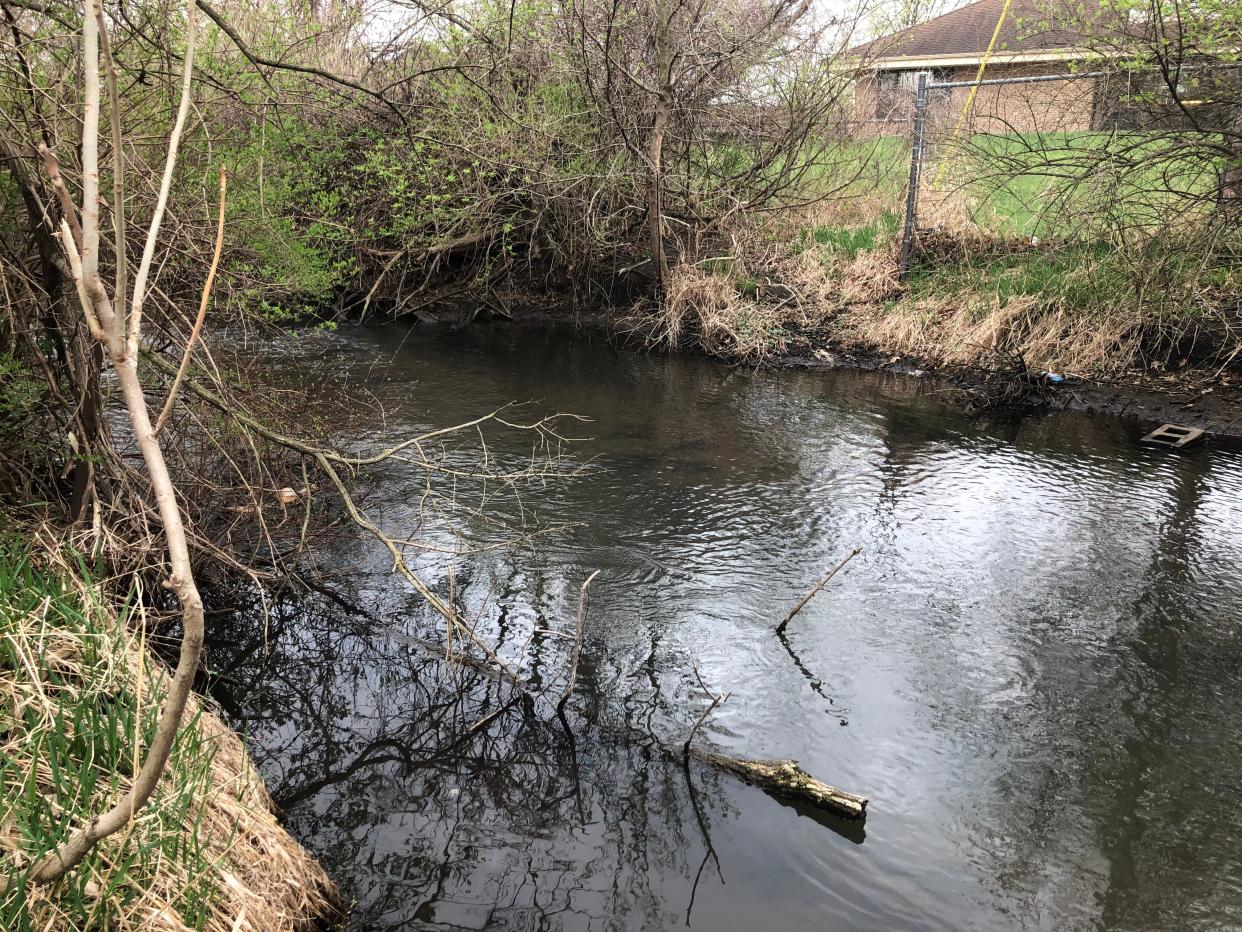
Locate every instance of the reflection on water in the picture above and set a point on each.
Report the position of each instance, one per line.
(1034, 669)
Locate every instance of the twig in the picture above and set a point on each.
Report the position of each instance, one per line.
(780, 629)
(202, 311)
(577, 651)
(444, 609)
(716, 700)
(216, 17)
(328, 462)
(491, 717)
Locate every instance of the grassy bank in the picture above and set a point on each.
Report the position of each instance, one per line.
(1026, 258)
(1076, 311)
(79, 698)
(1095, 294)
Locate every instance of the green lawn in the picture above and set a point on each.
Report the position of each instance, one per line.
(1069, 185)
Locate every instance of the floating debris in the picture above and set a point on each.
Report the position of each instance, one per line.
(1173, 436)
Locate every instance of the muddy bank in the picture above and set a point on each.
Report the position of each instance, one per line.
(1192, 398)
(1204, 398)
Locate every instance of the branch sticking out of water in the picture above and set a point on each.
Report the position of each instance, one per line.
(784, 778)
(577, 651)
(819, 586)
(716, 700)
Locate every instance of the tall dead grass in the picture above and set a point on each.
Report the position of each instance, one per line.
(709, 310)
(77, 690)
(957, 330)
(749, 304)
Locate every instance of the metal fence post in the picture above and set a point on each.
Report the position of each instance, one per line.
(916, 166)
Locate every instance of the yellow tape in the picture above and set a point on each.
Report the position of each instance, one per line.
(970, 98)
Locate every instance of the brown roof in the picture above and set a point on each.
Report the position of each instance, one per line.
(966, 31)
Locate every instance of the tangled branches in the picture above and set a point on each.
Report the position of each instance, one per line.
(151, 494)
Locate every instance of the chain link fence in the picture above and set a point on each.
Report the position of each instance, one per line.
(1040, 150)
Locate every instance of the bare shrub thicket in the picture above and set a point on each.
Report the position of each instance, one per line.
(98, 115)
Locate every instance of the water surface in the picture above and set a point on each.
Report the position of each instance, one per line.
(1034, 669)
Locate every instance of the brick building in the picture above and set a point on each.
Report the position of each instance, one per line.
(950, 48)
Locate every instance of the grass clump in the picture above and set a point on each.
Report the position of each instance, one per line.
(79, 700)
(850, 240)
(719, 312)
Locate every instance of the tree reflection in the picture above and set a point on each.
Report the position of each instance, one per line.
(440, 794)
(1122, 814)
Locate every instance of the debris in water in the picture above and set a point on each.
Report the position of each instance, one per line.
(1173, 436)
(784, 778)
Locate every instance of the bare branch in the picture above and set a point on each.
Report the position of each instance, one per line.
(202, 310)
(577, 649)
(174, 141)
(815, 590)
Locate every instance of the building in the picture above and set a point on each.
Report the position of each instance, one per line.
(950, 48)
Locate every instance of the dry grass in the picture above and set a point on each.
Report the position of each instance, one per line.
(75, 686)
(871, 278)
(748, 304)
(947, 332)
(708, 309)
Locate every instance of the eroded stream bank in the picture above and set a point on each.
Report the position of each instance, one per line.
(1198, 394)
(1033, 670)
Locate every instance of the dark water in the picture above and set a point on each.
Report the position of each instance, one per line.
(1034, 670)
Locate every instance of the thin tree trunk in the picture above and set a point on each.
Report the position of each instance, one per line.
(79, 359)
(1229, 189)
(1230, 195)
(655, 194)
(181, 582)
(655, 147)
(120, 338)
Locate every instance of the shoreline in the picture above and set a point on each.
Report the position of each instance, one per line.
(1217, 412)
(1190, 397)
(210, 851)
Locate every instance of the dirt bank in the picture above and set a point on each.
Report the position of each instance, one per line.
(1206, 398)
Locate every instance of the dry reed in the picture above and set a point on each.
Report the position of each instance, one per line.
(207, 853)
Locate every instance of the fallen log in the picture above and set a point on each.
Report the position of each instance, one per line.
(786, 779)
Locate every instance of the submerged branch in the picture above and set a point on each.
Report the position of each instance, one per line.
(786, 779)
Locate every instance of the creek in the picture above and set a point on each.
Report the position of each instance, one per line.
(1033, 670)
